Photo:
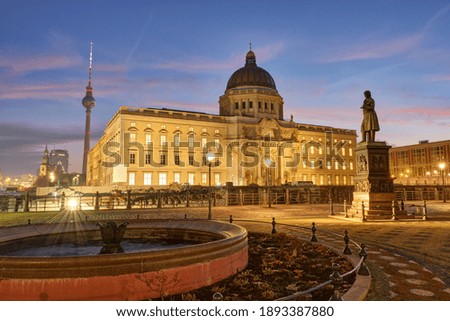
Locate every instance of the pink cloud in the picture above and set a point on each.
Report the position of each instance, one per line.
(373, 49)
(20, 65)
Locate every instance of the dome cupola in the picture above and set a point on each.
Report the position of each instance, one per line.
(251, 75)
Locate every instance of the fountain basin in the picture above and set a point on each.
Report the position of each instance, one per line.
(125, 276)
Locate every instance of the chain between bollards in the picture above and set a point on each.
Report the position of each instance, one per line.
(336, 278)
(273, 225)
(363, 270)
(347, 250)
(313, 231)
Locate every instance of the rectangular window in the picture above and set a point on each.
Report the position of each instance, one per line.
(131, 178)
(350, 152)
(191, 160)
(163, 159)
(132, 137)
(204, 178)
(132, 158)
(250, 104)
(313, 178)
(204, 160)
(259, 105)
(305, 177)
(217, 178)
(148, 178)
(336, 165)
(204, 142)
(176, 140)
(351, 166)
(351, 180)
(177, 177)
(243, 105)
(265, 106)
(271, 106)
(163, 140)
(191, 178)
(177, 159)
(321, 179)
(148, 159)
(162, 179)
(191, 141)
(343, 151)
(337, 180)
(236, 105)
(148, 139)
(344, 180)
(216, 143)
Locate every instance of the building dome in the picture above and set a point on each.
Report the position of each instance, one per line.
(251, 75)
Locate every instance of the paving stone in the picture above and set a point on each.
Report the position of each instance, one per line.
(408, 272)
(387, 258)
(422, 292)
(439, 280)
(416, 281)
(398, 264)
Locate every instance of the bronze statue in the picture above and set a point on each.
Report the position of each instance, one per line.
(370, 121)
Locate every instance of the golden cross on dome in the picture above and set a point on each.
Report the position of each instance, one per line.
(250, 46)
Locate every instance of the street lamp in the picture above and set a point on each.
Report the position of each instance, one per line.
(210, 157)
(268, 162)
(442, 167)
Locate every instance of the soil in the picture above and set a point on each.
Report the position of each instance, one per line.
(279, 265)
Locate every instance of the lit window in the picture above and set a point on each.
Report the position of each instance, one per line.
(217, 178)
(351, 166)
(148, 178)
(217, 143)
(132, 137)
(216, 131)
(131, 178)
(203, 130)
(163, 140)
(162, 178)
(337, 180)
(132, 124)
(344, 180)
(350, 152)
(191, 178)
(148, 138)
(336, 165)
(176, 140)
(177, 177)
(163, 126)
(204, 178)
(191, 141)
(204, 142)
(148, 159)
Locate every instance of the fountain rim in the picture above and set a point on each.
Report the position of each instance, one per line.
(233, 239)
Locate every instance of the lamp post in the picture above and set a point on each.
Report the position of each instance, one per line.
(442, 167)
(268, 161)
(210, 157)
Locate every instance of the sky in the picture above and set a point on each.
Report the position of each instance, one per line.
(180, 54)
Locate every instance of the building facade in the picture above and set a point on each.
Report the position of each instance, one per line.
(249, 142)
(425, 163)
(59, 160)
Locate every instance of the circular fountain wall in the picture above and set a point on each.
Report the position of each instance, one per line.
(220, 250)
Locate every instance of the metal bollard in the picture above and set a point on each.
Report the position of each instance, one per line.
(394, 217)
(29, 221)
(185, 216)
(313, 230)
(363, 270)
(345, 209)
(231, 219)
(363, 212)
(347, 250)
(424, 211)
(273, 225)
(337, 280)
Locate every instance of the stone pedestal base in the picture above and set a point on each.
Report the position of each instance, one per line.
(376, 206)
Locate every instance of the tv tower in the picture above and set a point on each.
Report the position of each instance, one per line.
(88, 103)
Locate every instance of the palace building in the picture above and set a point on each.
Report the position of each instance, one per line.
(248, 142)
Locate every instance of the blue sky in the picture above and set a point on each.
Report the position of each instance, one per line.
(180, 54)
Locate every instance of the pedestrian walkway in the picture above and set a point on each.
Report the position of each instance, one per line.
(408, 260)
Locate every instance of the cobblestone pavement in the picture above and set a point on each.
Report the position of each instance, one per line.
(409, 260)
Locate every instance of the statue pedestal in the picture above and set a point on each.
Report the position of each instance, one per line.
(374, 187)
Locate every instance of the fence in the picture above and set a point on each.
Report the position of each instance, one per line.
(234, 196)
